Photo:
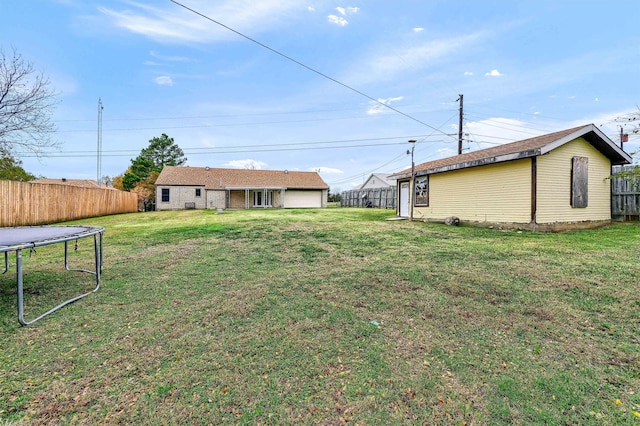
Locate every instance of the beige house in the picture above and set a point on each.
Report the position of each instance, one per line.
(84, 183)
(208, 188)
(551, 182)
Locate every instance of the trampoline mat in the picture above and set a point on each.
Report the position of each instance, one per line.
(38, 234)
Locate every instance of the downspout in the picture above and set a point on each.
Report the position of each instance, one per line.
(534, 189)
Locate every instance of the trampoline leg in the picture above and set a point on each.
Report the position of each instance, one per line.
(97, 246)
(6, 262)
(20, 288)
(97, 249)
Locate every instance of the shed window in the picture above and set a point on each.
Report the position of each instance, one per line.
(165, 195)
(422, 191)
(579, 182)
(197, 192)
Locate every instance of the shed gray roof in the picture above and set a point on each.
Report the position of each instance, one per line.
(531, 147)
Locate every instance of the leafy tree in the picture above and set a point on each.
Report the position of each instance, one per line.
(26, 104)
(146, 189)
(162, 151)
(631, 173)
(11, 168)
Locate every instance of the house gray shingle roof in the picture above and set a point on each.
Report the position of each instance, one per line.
(531, 147)
(214, 178)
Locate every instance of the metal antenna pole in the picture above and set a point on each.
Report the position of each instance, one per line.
(461, 99)
(99, 150)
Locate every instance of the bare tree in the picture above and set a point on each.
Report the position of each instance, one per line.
(26, 104)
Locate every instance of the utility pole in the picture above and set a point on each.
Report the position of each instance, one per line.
(624, 137)
(461, 99)
(99, 149)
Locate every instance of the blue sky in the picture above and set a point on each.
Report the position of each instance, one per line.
(524, 67)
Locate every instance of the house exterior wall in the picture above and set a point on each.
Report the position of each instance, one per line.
(554, 185)
(493, 193)
(237, 199)
(216, 199)
(179, 195)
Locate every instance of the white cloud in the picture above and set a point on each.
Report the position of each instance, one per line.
(326, 170)
(343, 11)
(445, 152)
(494, 73)
(468, 73)
(338, 20)
(173, 24)
(163, 80)
(390, 61)
(350, 9)
(311, 8)
(498, 131)
(418, 30)
(246, 164)
(377, 108)
(169, 58)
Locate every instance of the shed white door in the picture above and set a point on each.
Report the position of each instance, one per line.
(404, 199)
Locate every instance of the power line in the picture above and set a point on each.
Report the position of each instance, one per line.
(219, 151)
(256, 114)
(289, 58)
(295, 146)
(218, 125)
(399, 157)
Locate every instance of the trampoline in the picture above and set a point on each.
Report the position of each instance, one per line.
(17, 239)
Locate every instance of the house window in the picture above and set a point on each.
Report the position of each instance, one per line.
(197, 192)
(422, 191)
(165, 195)
(579, 182)
(262, 199)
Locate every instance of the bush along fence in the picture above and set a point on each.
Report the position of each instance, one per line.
(382, 198)
(24, 203)
(625, 193)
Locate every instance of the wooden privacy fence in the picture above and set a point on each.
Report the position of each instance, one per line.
(24, 203)
(381, 198)
(625, 195)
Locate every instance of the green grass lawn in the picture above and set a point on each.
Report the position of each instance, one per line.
(327, 316)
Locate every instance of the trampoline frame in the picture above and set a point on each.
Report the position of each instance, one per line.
(74, 234)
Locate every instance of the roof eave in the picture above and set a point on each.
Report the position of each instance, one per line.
(474, 163)
(598, 140)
